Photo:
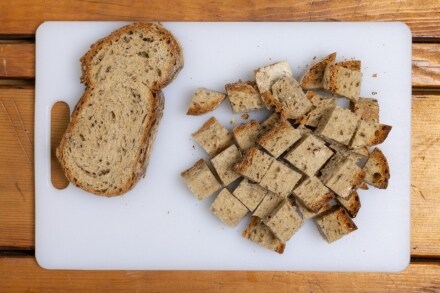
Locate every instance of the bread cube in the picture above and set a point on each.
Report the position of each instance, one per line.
(352, 204)
(377, 171)
(204, 101)
(334, 224)
(266, 76)
(313, 194)
(370, 133)
(250, 194)
(244, 97)
(213, 137)
(289, 99)
(338, 124)
(342, 81)
(313, 78)
(254, 165)
(279, 138)
(259, 233)
(306, 214)
(247, 135)
(223, 163)
(309, 155)
(270, 201)
(200, 180)
(280, 179)
(228, 208)
(284, 221)
(366, 109)
(350, 64)
(321, 106)
(268, 123)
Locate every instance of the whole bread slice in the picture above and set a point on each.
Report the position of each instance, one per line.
(107, 145)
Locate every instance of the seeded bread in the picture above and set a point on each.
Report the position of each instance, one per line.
(366, 109)
(246, 135)
(284, 221)
(352, 204)
(313, 78)
(250, 194)
(200, 180)
(204, 101)
(259, 233)
(244, 96)
(306, 214)
(254, 165)
(280, 179)
(342, 81)
(313, 194)
(228, 208)
(338, 124)
(268, 123)
(370, 133)
(270, 201)
(321, 106)
(106, 147)
(223, 163)
(279, 138)
(213, 137)
(350, 64)
(377, 171)
(334, 224)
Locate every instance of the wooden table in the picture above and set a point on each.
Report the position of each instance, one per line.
(18, 269)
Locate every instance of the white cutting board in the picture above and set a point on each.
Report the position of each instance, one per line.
(159, 224)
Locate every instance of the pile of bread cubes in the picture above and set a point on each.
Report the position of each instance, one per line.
(306, 160)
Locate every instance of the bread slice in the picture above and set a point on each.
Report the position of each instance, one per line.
(342, 81)
(338, 124)
(352, 205)
(313, 194)
(213, 137)
(246, 135)
(267, 205)
(280, 179)
(266, 76)
(279, 138)
(254, 165)
(335, 224)
(223, 163)
(369, 133)
(228, 208)
(366, 109)
(106, 147)
(313, 78)
(350, 64)
(204, 101)
(284, 221)
(200, 180)
(244, 97)
(259, 233)
(377, 171)
(250, 194)
(289, 99)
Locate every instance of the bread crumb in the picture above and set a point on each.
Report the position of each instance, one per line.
(245, 116)
(374, 75)
(374, 93)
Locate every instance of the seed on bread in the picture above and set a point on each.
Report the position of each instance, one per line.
(280, 179)
(342, 81)
(200, 180)
(213, 137)
(338, 124)
(369, 133)
(204, 101)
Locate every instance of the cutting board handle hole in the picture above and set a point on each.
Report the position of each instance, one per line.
(59, 119)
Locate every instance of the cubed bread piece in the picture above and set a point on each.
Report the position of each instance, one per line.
(370, 133)
(342, 177)
(334, 224)
(266, 206)
(313, 78)
(284, 221)
(352, 204)
(338, 124)
(289, 99)
(213, 137)
(244, 96)
(342, 81)
(355, 154)
(363, 185)
(247, 135)
(279, 138)
(309, 154)
(321, 106)
(259, 233)
(200, 180)
(377, 171)
(306, 214)
(254, 165)
(333, 165)
(366, 109)
(268, 123)
(228, 208)
(350, 64)
(223, 163)
(250, 194)
(204, 101)
(266, 76)
(280, 179)
(313, 194)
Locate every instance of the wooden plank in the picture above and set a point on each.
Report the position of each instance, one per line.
(18, 62)
(24, 275)
(23, 17)
(16, 171)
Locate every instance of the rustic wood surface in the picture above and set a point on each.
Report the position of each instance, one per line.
(18, 269)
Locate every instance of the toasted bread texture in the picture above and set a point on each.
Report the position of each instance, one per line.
(204, 101)
(313, 78)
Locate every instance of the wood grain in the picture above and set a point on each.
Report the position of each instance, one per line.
(426, 65)
(23, 17)
(24, 275)
(16, 170)
(17, 60)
